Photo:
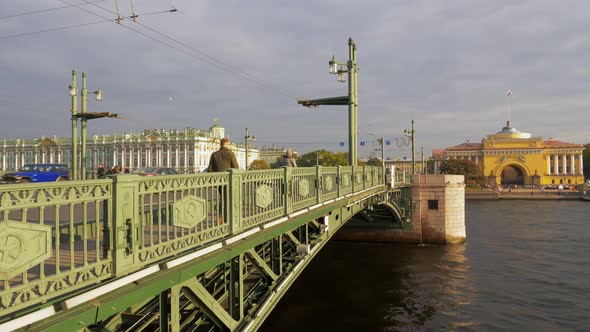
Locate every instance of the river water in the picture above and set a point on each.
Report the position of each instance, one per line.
(525, 267)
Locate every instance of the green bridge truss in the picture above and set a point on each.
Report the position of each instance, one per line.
(204, 252)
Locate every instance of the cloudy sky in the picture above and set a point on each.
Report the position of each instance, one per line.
(444, 64)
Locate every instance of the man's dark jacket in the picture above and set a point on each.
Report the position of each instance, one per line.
(222, 159)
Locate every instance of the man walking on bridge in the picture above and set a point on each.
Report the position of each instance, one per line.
(222, 159)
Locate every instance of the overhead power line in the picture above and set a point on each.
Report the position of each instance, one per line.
(41, 11)
(188, 50)
(78, 25)
(54, 29)
(200, 55)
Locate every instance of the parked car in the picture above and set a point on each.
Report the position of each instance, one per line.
(152, 171)
(38, 173)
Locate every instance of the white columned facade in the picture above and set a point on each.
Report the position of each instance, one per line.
(548, 164)
(185, 164)
(564, 164)
(581, 169)
(195, 157)
(555, 164)
(572, 165)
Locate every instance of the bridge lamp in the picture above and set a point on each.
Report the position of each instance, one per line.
(98, 93)
(84, 116)
(338, 68)
(351, 99)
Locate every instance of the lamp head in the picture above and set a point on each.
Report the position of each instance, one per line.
(72, 91)
(341, 76)
(333, 66)
(98, 94)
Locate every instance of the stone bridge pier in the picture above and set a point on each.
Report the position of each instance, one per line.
(435, 215)
(438, 211)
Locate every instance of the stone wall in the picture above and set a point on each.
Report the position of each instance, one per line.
(439, 208)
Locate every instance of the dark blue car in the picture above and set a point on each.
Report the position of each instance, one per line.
(38, 173)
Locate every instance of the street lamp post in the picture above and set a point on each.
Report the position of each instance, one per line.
(422, 159)
(248, 138)
(351, 99)
(412, 135)
(84, 119)
(74, 155)
(84, 116)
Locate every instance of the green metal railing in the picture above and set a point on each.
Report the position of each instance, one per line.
(57, 238)
(54, 239)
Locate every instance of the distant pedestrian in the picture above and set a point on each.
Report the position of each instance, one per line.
(288, 159)
(100, 172)
(126, 169)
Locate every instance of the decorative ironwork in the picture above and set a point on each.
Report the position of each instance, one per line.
(22, 246)
(264, 196)
(328, 182)
(83, 232)
(189, 211)
(165, 249)
(303, 187)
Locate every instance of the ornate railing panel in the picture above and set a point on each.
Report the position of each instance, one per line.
(52, 240)
(358, 179)
(369, 170)
(179, 212)
(345, 180)
(329, 183)
(263, 196)
(303, 188)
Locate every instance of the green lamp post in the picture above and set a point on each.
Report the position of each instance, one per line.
(247, 138)
(83, 120)
(351, 99)
(84, 116)
(74, 155)
(412, 134)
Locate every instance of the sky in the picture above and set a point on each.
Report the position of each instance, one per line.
(447, 65)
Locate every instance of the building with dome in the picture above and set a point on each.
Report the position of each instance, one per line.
(511, 157)
(187, 150)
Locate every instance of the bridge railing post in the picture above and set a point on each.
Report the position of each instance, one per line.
(125, 223)
(235, 200)
(318, 183)
(339, 179)
(288, 192)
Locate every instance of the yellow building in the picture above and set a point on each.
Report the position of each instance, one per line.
(511, 157)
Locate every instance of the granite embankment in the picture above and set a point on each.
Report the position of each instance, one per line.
(530, 194)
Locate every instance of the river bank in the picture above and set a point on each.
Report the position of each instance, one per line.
(524, 194)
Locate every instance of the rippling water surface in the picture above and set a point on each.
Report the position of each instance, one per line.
(525, 267)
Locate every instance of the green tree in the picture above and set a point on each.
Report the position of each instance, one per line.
(323, 158)
(373, 162)
(259, 164)
(471, 171)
